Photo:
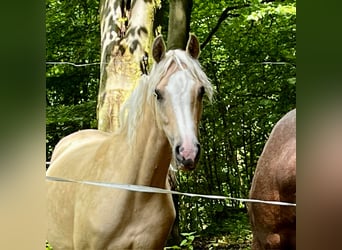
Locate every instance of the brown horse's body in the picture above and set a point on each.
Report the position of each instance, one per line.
(274, 227)
(159, 123)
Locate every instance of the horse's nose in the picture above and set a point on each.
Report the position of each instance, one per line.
(188, 155)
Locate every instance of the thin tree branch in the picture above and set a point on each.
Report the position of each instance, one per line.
(225, 14)
(223, 17)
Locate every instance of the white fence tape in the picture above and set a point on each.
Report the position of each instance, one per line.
(146, 189)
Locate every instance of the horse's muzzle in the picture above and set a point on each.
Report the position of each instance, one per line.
(187, 157)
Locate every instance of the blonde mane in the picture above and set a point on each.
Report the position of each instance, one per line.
(132, 110)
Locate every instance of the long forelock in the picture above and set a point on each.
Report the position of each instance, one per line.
(183, 61)
(132, 110)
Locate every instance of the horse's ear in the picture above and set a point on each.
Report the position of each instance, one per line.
(158, 48)
(193, 46)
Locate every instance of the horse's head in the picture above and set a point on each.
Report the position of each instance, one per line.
(178, 98)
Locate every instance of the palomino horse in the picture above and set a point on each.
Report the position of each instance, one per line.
(159, 123)
(274, 227)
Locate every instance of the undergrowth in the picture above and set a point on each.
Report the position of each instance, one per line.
(233, 233)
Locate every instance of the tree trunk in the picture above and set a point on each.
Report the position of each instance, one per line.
(179, 24)
(126, 38)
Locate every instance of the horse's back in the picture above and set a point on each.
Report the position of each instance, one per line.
(76, 139)
(274, 227)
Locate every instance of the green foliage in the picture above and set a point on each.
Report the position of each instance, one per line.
(229, 233)
(188, 240)
(62, 120)
(72, 35)
(47, 246)
(186, 243)
(251, 62)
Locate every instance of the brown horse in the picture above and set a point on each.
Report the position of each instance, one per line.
(273, 226)
(159, 124)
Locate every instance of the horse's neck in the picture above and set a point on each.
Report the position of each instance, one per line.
(153, 149)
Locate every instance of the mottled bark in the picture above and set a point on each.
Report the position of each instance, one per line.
(126, 37)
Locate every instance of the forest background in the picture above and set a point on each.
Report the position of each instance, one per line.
(248, 52)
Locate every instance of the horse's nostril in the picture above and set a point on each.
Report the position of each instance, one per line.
(177, 149)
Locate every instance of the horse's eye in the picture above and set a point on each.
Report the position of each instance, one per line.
(158, 95)
(201, 91)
